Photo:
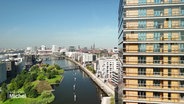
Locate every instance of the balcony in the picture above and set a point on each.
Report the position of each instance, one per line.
(153, 88)
(152, 4)
(162, 15)
(134, 39)
(151, 100)
(154, 76)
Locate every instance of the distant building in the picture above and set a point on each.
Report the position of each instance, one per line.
(54, 48)
(71, 49)
(3, 72)
(106, 68)
(115, 50)
(11, 68)
(30, 60)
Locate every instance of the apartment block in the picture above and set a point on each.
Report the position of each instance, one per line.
(151, 45)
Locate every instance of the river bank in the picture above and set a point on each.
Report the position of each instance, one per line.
(101, 84)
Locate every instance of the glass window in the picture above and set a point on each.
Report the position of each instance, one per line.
(156, 94)
(182, 23)
(157, 36)
(142, 24)
(169, 47)
(156, 82)
(141, 71)
(156, 71)
(181, 35)
(181, 83)
(141, 36)
(157, 1)
(141, 2)
(156, 47)
(141, 94)
(156, 59)
(181, 59)
(142, 83)
(169, 11)
(142, 47)
(141, 59)
(158, 12)
(169, 59)
(181, 71)
(182, 96)
(182, 10)
(181, 47)
(141, 12)
(169, 36)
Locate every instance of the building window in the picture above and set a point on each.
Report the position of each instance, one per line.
(169, 36)
(141, 94)
(158, 24)
(141, 36)
(181, 71)
(157, 36)
(182, 23)
(142, 47)
(156, 59)
(169, 59)
(142, 83)
(181, 35)
(181, 59)
(141, 2)
(181, 83)
(141, 12)
(157, 1)
(142, 59)
(182, 10)
(156, 94)
(182, 96)
(156, 71)
(142, 24)
(141, 71)
(158, 12)
(181, 47)
(169, 72)
(156, 82)
(156, 47)
(169, 47)
(169, 11)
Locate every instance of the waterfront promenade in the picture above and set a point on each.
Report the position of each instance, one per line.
(100, 83)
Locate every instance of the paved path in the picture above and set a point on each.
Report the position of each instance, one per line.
(102, 85)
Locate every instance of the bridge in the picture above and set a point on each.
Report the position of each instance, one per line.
(69, 68)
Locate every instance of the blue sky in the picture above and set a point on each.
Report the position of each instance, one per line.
(61, 22)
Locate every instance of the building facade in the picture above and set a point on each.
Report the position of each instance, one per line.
(3, 72)
(107, 69)
(151, 45)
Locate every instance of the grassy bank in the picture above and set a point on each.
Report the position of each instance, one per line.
(45, 98)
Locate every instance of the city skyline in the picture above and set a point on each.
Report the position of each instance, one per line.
(64, 23)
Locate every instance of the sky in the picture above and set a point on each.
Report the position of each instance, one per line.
(63, 23)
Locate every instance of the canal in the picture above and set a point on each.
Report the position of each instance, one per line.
(76, 87)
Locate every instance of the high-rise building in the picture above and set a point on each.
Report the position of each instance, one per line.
(151, 45)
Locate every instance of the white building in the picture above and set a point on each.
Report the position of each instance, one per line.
(54, 48)
(107, 68)
(3, 72)
(43, 47)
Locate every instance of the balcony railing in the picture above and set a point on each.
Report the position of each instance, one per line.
(153, 3)
(151, 51)
(154, 74)
(161, 62)
(159, 26)
(161, 38)
(155, 86)
(162, 14)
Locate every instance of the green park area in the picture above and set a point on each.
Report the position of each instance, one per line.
(32, 87)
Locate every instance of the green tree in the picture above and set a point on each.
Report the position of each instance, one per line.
(3, 96)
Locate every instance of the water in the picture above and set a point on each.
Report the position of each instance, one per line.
(76, 87)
